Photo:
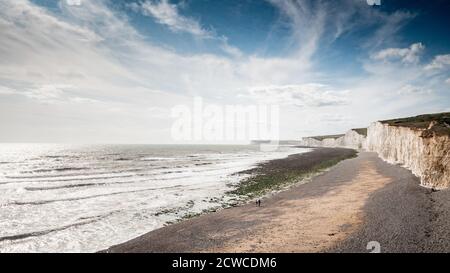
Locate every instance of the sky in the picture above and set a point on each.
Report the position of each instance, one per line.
(99, 71)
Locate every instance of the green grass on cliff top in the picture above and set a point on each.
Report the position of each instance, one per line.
(361, 131)
(327, 136)
(441, 127)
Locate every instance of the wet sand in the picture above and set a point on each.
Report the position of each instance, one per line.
(359, 200)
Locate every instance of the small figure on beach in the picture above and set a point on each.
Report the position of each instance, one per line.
(258, 202)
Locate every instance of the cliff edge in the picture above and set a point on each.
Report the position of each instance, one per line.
(421, 144)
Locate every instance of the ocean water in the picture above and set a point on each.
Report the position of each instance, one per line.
(84, 198)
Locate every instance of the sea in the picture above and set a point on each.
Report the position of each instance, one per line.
(85, 198)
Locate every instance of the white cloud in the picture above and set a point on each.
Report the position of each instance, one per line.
(84, 100)
(447, 80)
(47, 93)
(168, 14)
(6, 91)
(405, 55)
(413, 90)
(91, 54)
(335, 118)
(158, 112)
(311, 95)
(231, 50)
(439, 62)
(55, 93)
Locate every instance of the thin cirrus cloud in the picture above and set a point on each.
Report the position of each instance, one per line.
(413, 90)
(306, 95)
(57, 93)
(166, 13)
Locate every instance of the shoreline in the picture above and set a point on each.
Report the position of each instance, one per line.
(278, 174)
(127, 191)
(359, 200)
(265, 168)
(309, 164)
(306, 166)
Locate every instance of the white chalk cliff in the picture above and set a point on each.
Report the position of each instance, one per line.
(420, 144)
(352, 139)
(426, 155)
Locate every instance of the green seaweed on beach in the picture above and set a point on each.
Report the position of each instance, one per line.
(266, 179)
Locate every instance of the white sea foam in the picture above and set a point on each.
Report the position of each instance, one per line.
(87, 198)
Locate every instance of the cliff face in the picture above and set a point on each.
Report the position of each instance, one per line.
(420, 143)
(423, 151)
(351, 139)
(312, 142)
